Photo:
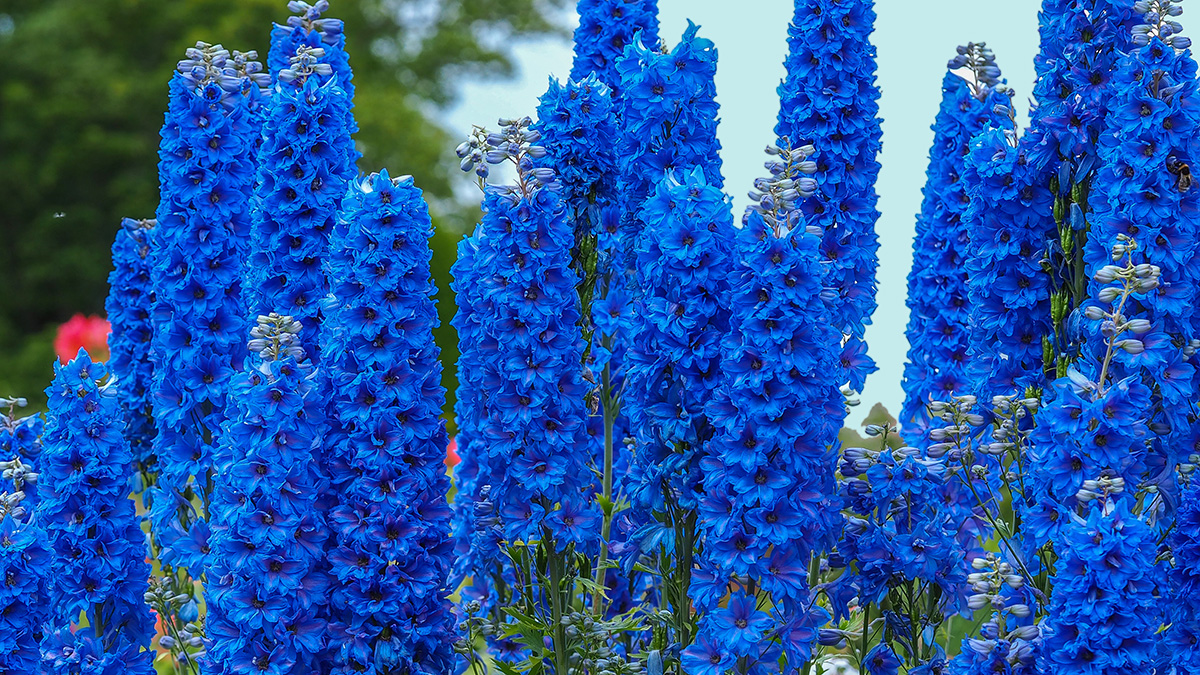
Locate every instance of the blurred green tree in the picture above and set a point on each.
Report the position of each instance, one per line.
(82, 93)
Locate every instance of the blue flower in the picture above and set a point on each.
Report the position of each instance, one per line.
(129, 303)
(198, 303)
(668, 118)
(1184, 599)
(392, 435)
(25, 563)
(606, 28)
(99, 550)
(937, 285)
(829, 99)
(265, 576)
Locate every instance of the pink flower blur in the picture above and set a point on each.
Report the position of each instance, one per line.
(88, 332)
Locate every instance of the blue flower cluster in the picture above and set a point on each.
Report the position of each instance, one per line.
(606, 28)
(305, 165)
(829, 99)
(308, 29)
(1009, 641)
(1008, 223)
(770, 499)
(668, 114)
(393, 548)
(525, 373)
(1184, 600)
(265, 588)
(92, 528)
(25, 563)
(937, 283)
(1143, 189)
(129, 303)
(578, 127)
(1103, 615)
(206, 174)
(21, 439)
(684, 268)
(1079, 47)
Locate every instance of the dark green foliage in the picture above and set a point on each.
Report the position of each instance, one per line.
(83, 87)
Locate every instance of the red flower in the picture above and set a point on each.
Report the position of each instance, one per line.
(88, 332)
(452, 457)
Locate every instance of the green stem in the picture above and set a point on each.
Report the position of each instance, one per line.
(555, 563)
(610, 418)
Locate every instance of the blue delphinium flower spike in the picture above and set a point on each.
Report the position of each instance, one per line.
(829, 99)
(606, 28)
(99, 550)
(308, 28)
(305, 165)
(668, 118)
(1184, 600)
(937, 284)
(21, 439)
(130, 301)
(206, 176)
(266, 588)
(393, 549)
(1143, 189)
(1008, 222)
(25, 564)
(769, 498)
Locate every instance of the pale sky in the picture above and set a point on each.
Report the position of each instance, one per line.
(914, 38)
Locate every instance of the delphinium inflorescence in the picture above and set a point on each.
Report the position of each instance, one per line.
(392, 551)
(130, 301)
(937, 284)
(531, 478)
(1183, 637)
(1089, 509)
(206, 176)
(1081, 43)
(307, 28)
(684, 268)
(668, 117)
(829, 98)
(769, 508)
(908, 532)
(21, 439)
(1143, 188)
(99, 551)
(1007, 222)
(25, 558)
(266, 587)
(305, 164)
(606, 28)
(1009, 640)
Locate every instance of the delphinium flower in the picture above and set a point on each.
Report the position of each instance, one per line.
(265, 586)
(305, 165)
(606, 28)
(937, 285)
(1184, 601)
(524, 371)
(684, 268)
(1087, 503)
(206, 176)
(130, 301)
(668, 117)
(1008, 642)
(25, 565)
(1143, 189)
(21, 439)
(1080, 46)
(907, 535)
(393, 547)
(308, 29)
(99, 550)
(1007, 222)
(1103, 616)
(829, 99)
(769, 503)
